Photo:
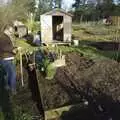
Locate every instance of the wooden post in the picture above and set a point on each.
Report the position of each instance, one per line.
(60, 54)
(21, 67)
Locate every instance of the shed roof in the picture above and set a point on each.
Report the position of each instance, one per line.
(57, 10)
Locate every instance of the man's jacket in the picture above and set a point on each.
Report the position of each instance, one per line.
(6, 46)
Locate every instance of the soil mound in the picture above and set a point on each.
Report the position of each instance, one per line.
(94, 85)
(58, 92)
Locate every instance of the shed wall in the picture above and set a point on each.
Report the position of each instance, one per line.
(67, 28)
(46, 28)
(116, 20)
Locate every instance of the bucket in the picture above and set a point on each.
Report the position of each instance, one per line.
(76, 42)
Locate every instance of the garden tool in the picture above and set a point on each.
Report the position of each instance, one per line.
(21, 65)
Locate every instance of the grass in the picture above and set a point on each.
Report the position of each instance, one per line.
(88, 51)
(92, 52)
(94, 31)
(50, 72)
(25, 46)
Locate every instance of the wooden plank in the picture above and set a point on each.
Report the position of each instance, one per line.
(57, 113)
(46, 28)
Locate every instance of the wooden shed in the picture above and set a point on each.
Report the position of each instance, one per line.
(116, 20)
(56, 26)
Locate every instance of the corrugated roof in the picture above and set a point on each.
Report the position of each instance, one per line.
(58, 10)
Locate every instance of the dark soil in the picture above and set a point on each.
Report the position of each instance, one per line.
(81, 81)
(55, 92)
(104, 46)
(26, 100)
(99, 86)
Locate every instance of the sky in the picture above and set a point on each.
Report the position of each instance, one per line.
(68, 3)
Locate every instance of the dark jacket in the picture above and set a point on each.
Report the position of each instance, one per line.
(6, 46)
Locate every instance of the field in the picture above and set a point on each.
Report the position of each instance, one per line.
(98, 40)
(92, 31)
(90, 78)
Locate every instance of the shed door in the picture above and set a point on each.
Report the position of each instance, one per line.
(46, 28)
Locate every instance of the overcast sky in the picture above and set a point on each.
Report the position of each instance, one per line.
(67, 3)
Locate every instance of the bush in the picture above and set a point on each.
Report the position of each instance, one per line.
(33, 26)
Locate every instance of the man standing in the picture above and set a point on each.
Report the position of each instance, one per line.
(6, 60)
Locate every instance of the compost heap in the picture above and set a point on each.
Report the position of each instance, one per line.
(95, 85)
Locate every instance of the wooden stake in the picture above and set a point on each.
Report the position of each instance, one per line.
(21, 68)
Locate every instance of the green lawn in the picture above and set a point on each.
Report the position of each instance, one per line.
(92, 52)
(88, 51)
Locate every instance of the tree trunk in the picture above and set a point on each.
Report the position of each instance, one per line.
(81, 18)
